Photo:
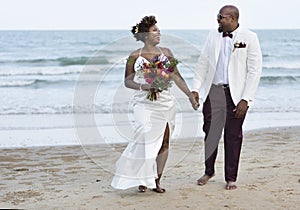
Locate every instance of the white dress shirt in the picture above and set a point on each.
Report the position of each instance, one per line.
(221, 75)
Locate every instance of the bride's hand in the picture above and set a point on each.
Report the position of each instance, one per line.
(145, 87)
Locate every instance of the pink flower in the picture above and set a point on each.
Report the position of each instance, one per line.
(149, 80)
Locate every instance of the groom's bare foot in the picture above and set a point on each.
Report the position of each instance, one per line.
(230, 186)
(204, 179)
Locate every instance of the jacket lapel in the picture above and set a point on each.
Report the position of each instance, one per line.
(218, 46)
(236, 37)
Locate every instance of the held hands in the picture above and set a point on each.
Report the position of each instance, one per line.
(194, 99)
(241, 109)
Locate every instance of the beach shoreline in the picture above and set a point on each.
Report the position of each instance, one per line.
(59, 129)
(76, 177)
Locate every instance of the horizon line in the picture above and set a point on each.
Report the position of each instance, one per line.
(107, 29)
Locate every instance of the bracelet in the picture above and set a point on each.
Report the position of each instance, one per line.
(141, 87)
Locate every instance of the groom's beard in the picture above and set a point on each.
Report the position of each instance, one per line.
(220, 29)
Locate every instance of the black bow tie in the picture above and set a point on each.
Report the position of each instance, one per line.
(227, 34)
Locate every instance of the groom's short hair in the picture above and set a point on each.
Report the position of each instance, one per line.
(234, 11)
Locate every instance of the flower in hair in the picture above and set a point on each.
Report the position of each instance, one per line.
(136, 29)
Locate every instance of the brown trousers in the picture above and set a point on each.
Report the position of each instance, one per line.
(218, 115)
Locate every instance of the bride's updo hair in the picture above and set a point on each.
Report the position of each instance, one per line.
(140, 30)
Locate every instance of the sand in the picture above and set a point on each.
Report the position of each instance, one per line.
(75, 177)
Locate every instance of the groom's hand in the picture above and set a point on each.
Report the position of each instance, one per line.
(194, 99)
(196, 95)
(241, 109)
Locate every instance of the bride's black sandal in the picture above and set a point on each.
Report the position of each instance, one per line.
(159, 190)
(142, 188)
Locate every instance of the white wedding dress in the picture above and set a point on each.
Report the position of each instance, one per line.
(137, 164)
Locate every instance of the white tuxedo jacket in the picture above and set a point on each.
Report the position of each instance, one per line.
(244, 68)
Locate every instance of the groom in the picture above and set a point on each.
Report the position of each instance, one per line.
(229, 68)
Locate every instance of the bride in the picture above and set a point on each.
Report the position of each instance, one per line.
(143, 161)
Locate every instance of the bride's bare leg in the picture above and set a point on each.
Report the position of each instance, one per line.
(162, 159)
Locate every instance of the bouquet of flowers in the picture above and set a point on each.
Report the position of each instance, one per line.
(157, 74)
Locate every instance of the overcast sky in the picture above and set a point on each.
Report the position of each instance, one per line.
(122, 14)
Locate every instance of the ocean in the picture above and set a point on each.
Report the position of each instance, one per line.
(55, 83)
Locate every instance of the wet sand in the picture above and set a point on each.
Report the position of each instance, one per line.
(75, 177)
